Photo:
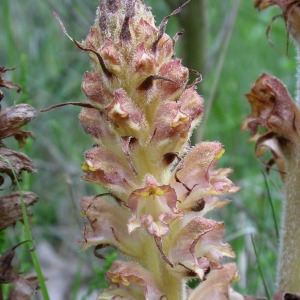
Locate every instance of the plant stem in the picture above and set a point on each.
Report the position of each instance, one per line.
(297, 98)
(194, 40)
(288, 271)
(289, 259)
(193, 20)
(8, 34)
(1, 296)
(171, 284)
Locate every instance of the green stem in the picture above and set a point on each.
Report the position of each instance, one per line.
(1, 296)
(289, 259)
(193, 20)
(219, 68)
(29, 237)
(8, 34)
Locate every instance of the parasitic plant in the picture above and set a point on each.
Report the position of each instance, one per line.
(274, 110)
(13, 205)
(141, 112)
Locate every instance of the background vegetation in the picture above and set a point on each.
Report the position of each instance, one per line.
(50, 69)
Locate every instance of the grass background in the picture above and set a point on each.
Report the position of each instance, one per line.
(50, 69)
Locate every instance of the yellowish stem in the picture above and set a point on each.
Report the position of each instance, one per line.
(171, 285)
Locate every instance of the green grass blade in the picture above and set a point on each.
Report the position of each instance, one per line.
(272, 206)
(260, 268)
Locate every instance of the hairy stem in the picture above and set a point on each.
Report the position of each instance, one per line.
(171, 284)
(175, 287)
(297, 100)
(289, 258)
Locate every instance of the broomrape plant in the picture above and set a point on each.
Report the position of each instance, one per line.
(274, 110)
(141, 112)
(13, 205)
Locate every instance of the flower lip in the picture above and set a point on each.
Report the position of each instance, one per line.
(274, 110)
(197, 182)
(198, 245)
(153, 206)
(108, 226)
(130, 281)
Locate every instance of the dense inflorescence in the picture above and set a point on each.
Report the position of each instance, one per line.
(141, 114)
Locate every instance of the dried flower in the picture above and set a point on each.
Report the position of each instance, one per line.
(11, 121)
(12, 165)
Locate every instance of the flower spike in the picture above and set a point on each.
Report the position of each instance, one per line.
(141, 114)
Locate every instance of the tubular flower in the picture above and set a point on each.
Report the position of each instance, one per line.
(153, 205)
(220, 278)
(197, 246)
(131, 281)
(274, 110)
(140, 114)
